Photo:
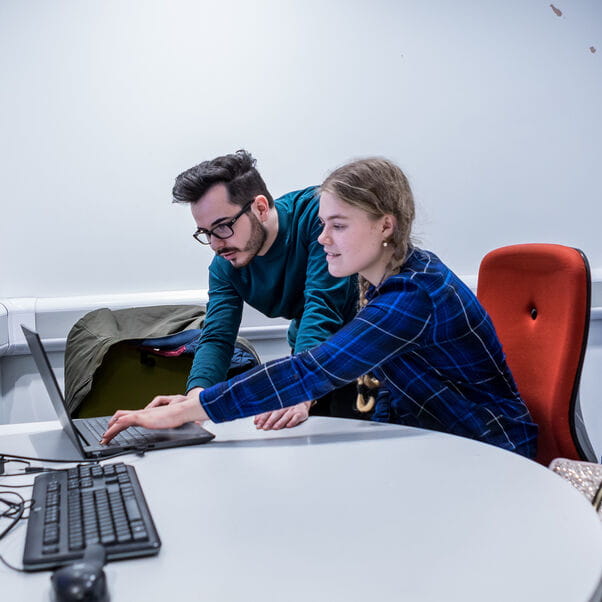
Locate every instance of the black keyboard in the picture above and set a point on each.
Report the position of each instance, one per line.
(87, 504)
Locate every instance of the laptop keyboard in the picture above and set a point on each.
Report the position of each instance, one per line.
(133, 435)
(88, 504)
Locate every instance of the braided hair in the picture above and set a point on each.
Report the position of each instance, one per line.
(378, 187)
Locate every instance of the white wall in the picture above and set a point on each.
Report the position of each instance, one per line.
(492, 108)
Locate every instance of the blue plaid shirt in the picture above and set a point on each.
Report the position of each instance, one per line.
(429, 341)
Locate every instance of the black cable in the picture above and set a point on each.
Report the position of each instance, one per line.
(40, 469)
(29, 505)
(4, 462)
(16, 460)
(12, 507)
(10, 566)
(74, 460)
(16, 508)
(27, 472)
(15, 511)
(139, 451)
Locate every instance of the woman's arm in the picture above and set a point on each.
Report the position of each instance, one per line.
(391, 324)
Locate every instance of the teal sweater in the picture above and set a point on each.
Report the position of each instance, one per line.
(290, 281)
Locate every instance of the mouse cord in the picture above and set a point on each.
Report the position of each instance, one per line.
(10, 566)
(14, 511)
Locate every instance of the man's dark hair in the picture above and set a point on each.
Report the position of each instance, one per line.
(236, 171)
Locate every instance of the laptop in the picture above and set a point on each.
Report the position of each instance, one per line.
(84, 433)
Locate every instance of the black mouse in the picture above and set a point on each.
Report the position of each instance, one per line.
(83, 580)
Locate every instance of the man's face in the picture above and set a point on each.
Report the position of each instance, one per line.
(215, 208)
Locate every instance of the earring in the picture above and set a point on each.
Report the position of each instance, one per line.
(385, 243)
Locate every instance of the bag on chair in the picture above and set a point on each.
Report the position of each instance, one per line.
(121, 359)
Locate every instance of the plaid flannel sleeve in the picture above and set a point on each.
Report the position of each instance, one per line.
(389, 325)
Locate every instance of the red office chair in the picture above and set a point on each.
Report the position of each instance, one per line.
(538, 296)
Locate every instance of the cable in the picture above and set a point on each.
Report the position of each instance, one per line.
(32, 470)
(40, 469)
(74, 460)
(139, 451)
(13, 508)
(4, 462)
(10, 566)
(15, 511)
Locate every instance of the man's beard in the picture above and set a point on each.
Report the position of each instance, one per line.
(256, 241)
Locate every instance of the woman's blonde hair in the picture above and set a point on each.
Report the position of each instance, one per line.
(378, 187)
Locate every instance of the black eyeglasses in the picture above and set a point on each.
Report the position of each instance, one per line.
(221, 231)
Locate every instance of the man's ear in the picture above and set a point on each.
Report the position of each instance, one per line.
(261, 207)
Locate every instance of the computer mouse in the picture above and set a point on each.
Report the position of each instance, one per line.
(82, 580)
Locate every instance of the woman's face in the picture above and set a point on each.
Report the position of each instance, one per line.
(353, 239)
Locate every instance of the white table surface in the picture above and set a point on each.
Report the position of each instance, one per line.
(345, 510)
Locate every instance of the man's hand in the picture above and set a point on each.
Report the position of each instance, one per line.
(164, 400)
(168, 415)
(284, 418)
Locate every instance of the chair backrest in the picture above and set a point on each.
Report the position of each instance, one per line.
(538, 296)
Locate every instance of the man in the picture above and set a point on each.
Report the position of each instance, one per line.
(268, 256)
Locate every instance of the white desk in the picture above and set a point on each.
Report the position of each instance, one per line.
(351, 511)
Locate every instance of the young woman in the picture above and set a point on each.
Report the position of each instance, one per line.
(420, 332)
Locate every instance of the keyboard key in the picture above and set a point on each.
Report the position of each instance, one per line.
(107, 538)
(97, 471)
(85, 470)
(52, 514)
(76, 544)
(52, 498)
(138, 530)
(132, 509)
(51, 534)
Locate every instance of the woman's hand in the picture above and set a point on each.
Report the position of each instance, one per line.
(284, 418)
(169, 415)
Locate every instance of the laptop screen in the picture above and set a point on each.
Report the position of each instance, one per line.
(51, 384)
